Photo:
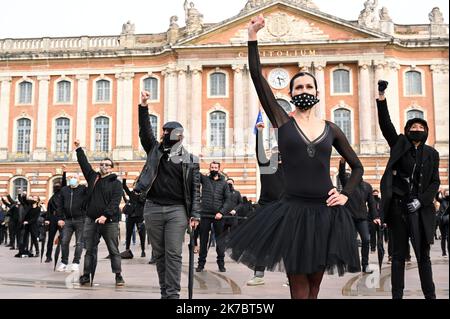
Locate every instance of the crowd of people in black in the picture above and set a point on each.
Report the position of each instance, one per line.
(302, 227)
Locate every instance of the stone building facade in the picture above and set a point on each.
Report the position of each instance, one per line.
(54, 90)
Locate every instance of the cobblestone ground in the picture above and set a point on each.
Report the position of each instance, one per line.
(28, 278)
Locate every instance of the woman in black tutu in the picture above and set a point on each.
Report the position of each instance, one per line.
(308, 231)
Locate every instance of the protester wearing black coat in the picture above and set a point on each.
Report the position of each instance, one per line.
(408, 187)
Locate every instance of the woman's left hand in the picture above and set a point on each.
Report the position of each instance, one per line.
(336, 198)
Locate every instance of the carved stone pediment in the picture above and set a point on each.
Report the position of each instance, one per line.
(282, 27)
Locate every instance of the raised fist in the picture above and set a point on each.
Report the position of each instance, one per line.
(76, 143)
(145, 96)
(382, 85)
(260, 125)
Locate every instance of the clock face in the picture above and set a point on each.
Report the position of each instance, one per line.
(278, 78)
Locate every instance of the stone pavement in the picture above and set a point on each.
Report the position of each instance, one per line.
(28, 278)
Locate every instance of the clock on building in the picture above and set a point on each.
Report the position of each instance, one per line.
(278, 78)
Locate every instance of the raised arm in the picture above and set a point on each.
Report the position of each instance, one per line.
(64, 176)
(86, 168)
(276, 114)
(146, 135)
(384, 119)
(260, 153)
(343, 147)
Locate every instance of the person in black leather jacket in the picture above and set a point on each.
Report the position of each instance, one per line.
(170, 183)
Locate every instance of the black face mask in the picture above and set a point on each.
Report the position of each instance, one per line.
(231, 187)
(167, 142)
(214, 173)
(304, 101)
(417, 136)
(376, 196)
(56, 188)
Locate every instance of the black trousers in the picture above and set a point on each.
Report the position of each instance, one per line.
(205, 229)
(29, 231)
(139, 223)
(13, 228)
(400, 242)
(443, 228)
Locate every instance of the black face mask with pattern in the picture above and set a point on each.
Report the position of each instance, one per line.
(304, 101)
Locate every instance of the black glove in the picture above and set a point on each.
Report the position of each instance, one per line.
(382, 85)
(414, 205)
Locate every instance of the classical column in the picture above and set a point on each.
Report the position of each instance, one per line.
(365, 118)
(171, 93)
(441, 102)
(5, 91)
(82, 96)
(381, 145)
(40, 153)
(319, 67)
(392, 93)
(238, 110)
(182, 104)
(124, 117)
(196, 109)
(253, 109)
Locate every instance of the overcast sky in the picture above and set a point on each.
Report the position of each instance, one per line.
(41, 18)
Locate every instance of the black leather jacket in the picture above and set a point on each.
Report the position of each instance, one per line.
(190, 164)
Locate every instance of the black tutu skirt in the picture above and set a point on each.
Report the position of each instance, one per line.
(297, 236)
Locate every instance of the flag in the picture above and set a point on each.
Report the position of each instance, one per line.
(258, 119)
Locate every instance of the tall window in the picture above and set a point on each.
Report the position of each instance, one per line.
(412, 114)
(413, 83)
(285, 105)
(217, 130)
(20, 185)
(154, 124)
(217, 84)
(342, 118)
(151, 85)
(62, 135)
(101, 134)
(25, 92)
(23, 136)
(103, 91)
(63, 95)
(341, 81)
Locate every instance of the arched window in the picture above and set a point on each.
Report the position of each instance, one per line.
(62, 130)
(151, 85)
(64, 88)
(23, 135)
(412, 114)
(101, 134)
(25, 92)
(217, 84)
(20, 185)
(343, 119)
(341, 81)
(154, 124)
(217, 122)
(103, 91)
(285, 105)
(413, 83)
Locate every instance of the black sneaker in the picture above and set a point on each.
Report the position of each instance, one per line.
(199, 269)
(119, 280)
(222, 269)
(152, 261)
(143, 254)
(48, 260)
(85, 280)
(366, 270)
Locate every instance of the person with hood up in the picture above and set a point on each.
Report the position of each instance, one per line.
(408, 187)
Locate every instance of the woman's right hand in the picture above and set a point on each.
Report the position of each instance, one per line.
(256, 24)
